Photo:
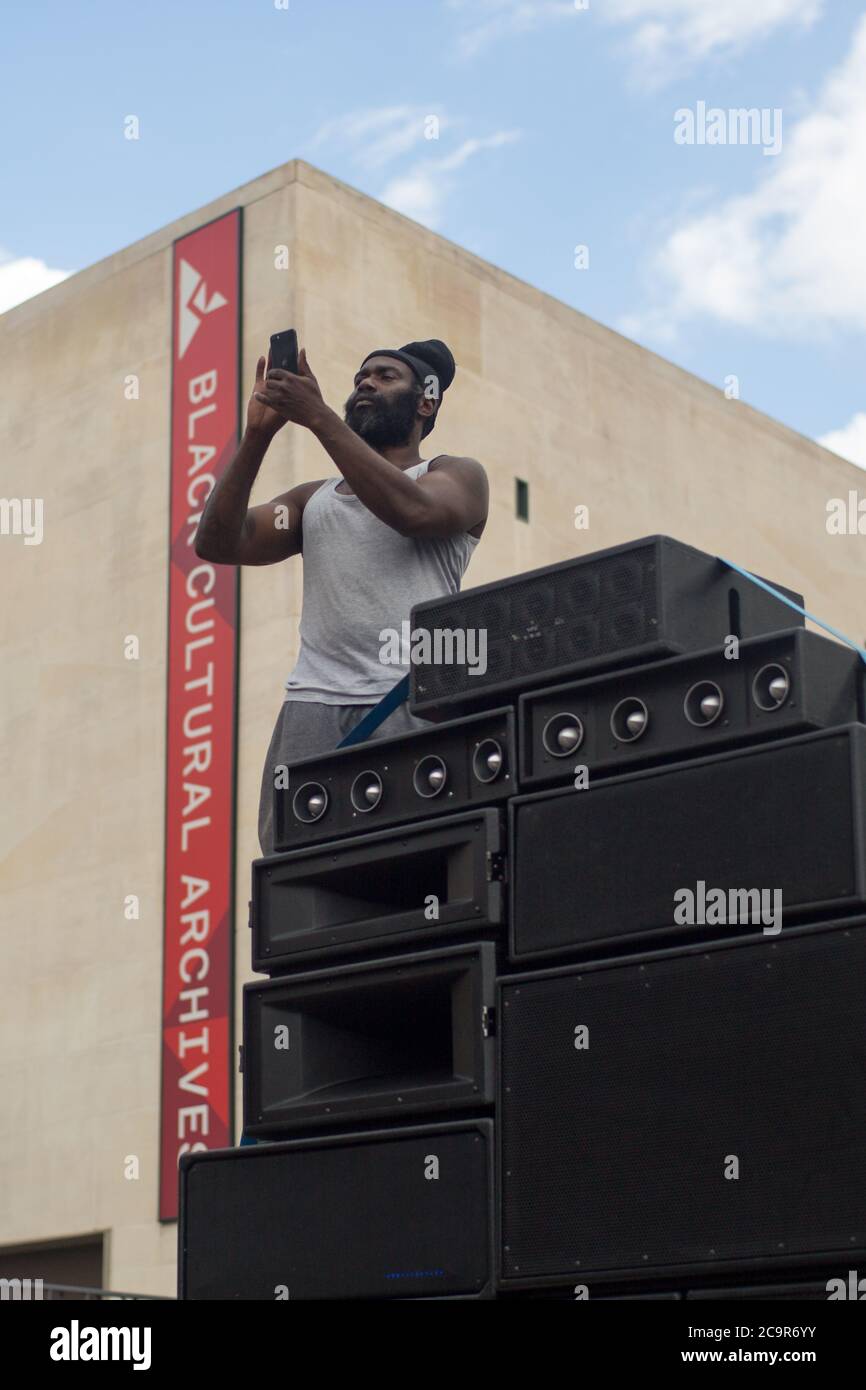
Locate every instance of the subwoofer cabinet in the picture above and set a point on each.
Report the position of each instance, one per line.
(374, 1215)
(813, 1291)
(689, 1113)
(597, 868)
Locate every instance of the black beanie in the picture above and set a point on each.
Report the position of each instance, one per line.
(429, 358)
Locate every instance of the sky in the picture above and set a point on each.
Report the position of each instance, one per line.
(590, 147)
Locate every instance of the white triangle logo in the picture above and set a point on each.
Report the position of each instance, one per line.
(193, 297)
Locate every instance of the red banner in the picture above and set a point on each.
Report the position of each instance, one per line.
(198, 975)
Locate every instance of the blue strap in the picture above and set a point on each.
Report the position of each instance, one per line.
(396, 696)
(796, 607)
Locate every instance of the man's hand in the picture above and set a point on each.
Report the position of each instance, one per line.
(289, 396)
(261, 419)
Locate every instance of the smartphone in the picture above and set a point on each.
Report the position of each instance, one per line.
(284, 350)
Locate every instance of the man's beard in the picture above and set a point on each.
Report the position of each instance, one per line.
(384, 425)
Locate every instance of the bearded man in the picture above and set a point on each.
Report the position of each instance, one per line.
(391, 531)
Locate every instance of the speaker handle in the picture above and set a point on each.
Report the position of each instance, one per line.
(762, 584)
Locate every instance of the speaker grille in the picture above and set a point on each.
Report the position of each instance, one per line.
(614, 1156)
(605, 863)
(348, 1219)
(644, 600)
(547, 620)
(813, 1293)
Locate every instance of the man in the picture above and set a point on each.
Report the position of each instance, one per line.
(394, 530)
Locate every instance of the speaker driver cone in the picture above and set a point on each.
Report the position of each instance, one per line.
(630, 720)
(488, 760)
(703, 704)
(366, 792)
(562, 734)
(771, 687)
(430, 776)
(310, 802)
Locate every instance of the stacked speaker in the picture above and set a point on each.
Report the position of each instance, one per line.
(563, 992)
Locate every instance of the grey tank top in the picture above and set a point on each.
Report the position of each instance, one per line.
(360, 578)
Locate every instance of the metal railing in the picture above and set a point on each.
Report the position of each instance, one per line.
(78, 1293)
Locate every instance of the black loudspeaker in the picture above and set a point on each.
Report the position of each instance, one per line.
(393, 1214)
(427, 883)
(408, 1036)
(815, 1292)
(577, 1293)
(685, 1111)
(638, 602)
(610, 864)
(779, 685)
(355, 790)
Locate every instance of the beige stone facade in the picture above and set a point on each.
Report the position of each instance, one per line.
(542, 393)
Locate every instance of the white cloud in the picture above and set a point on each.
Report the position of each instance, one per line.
(470, 147)
(423, 191)
(849, 442)
(486, 21)
(666, 33)
(23, 277)
(380, 134)
(419, 196)
(671, 33)
(788, 258)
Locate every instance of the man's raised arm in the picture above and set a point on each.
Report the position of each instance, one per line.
(230, 531)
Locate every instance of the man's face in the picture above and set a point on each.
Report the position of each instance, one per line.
(382, 408)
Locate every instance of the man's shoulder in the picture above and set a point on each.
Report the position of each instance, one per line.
(458, 462)
(474, 476)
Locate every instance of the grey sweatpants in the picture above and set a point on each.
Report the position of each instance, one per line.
(304, 729)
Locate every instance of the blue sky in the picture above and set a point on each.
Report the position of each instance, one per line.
(556, 129)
